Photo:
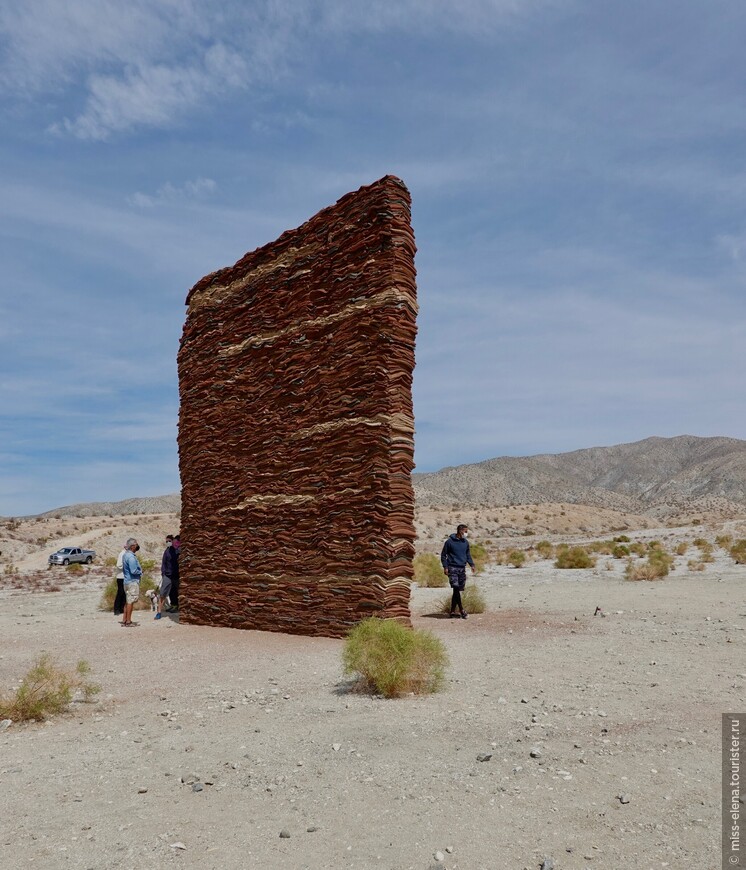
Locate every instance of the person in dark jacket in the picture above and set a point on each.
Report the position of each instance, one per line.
(169, 571)
(454, 558)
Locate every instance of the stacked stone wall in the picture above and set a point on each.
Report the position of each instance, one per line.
(296, 425)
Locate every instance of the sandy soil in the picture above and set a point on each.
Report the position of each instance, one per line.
(623, 704)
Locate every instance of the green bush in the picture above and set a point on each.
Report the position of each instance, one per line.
(604, 547)
(544, 549)
(74, 568)
(621, 539)
(428, 571)
(480, 556)
(517, 558)
(738, 551)
(46, 690)
(110, 562)
(110, 593)
(574, 557)
(637, 548)
(472, 600)
(620, 551)
(392, 660)
(656, 567)
(724, 541)
(682, 548)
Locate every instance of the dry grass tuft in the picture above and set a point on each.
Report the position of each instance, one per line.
(392, 660)
(428, 571)
(47, 690)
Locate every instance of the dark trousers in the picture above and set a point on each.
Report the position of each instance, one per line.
(174, 593)
(120, 599)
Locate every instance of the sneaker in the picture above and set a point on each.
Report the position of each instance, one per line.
(452, 615)
(158, 615)
(463, 615)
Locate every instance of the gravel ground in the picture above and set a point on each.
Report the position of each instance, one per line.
(216, 748)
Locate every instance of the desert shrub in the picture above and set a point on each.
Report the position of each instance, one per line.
(695, 565)
(637, 548)
(109, 593)
(620, 551)
(621, 539)
(574, 557)
(661, 560)
(642, 571)
(472, 600)
(724, 541)
(738, 551)
(46, 690)
(500, 557)
(480, 555)
(74, 568)
(428, 571)
(705, 550)
(544, 549)
(604, 547)
(517, 558)
(392, 660)
(110, 562)
(682, 548)
(147, 565)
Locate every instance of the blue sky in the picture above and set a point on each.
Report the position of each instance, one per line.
(578, 179)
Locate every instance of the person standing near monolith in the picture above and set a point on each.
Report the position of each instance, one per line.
(454, 558)
(132, 575)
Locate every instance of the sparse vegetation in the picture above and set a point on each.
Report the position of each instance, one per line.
(656, 567)
(544, 549)
(682, 548)
(472, 600)
(480, 556)
(620, 551)
(517, 558)
(428, 571)
(738, 551)
(392, 660)
(724, 541)
(574, 557)
(110, 593)
(47, 690)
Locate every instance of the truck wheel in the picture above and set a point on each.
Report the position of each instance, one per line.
(65, 561)
(88, 560)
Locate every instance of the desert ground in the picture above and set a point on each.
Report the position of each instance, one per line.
(600, 734)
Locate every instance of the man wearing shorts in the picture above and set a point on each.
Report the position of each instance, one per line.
(167, 573)
(132, 574)
(454, 558)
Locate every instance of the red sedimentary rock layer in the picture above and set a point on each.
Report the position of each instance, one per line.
(296, 425)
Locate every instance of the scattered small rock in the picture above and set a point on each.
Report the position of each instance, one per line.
(439, 856)
(284, 834)
(484, 756)
(623, 798)
(336, 746)
(449, 849)
(311, 829)
(547, 864)
(142, 790)
(524, 700)
(535, 752)
(197, 786)
(5, 724)
(177, 845)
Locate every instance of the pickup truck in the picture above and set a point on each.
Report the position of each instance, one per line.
(68, 555)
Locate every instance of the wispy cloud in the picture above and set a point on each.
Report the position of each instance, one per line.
(168, 193)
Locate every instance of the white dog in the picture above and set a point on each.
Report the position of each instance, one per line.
(153, 596)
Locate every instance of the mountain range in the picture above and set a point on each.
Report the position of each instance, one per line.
(657, 476)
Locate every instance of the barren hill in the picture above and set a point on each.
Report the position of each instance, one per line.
(657, 476)
(156, 504)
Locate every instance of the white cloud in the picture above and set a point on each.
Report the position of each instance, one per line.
(147, 63)
(152, 95)
(168, 193)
